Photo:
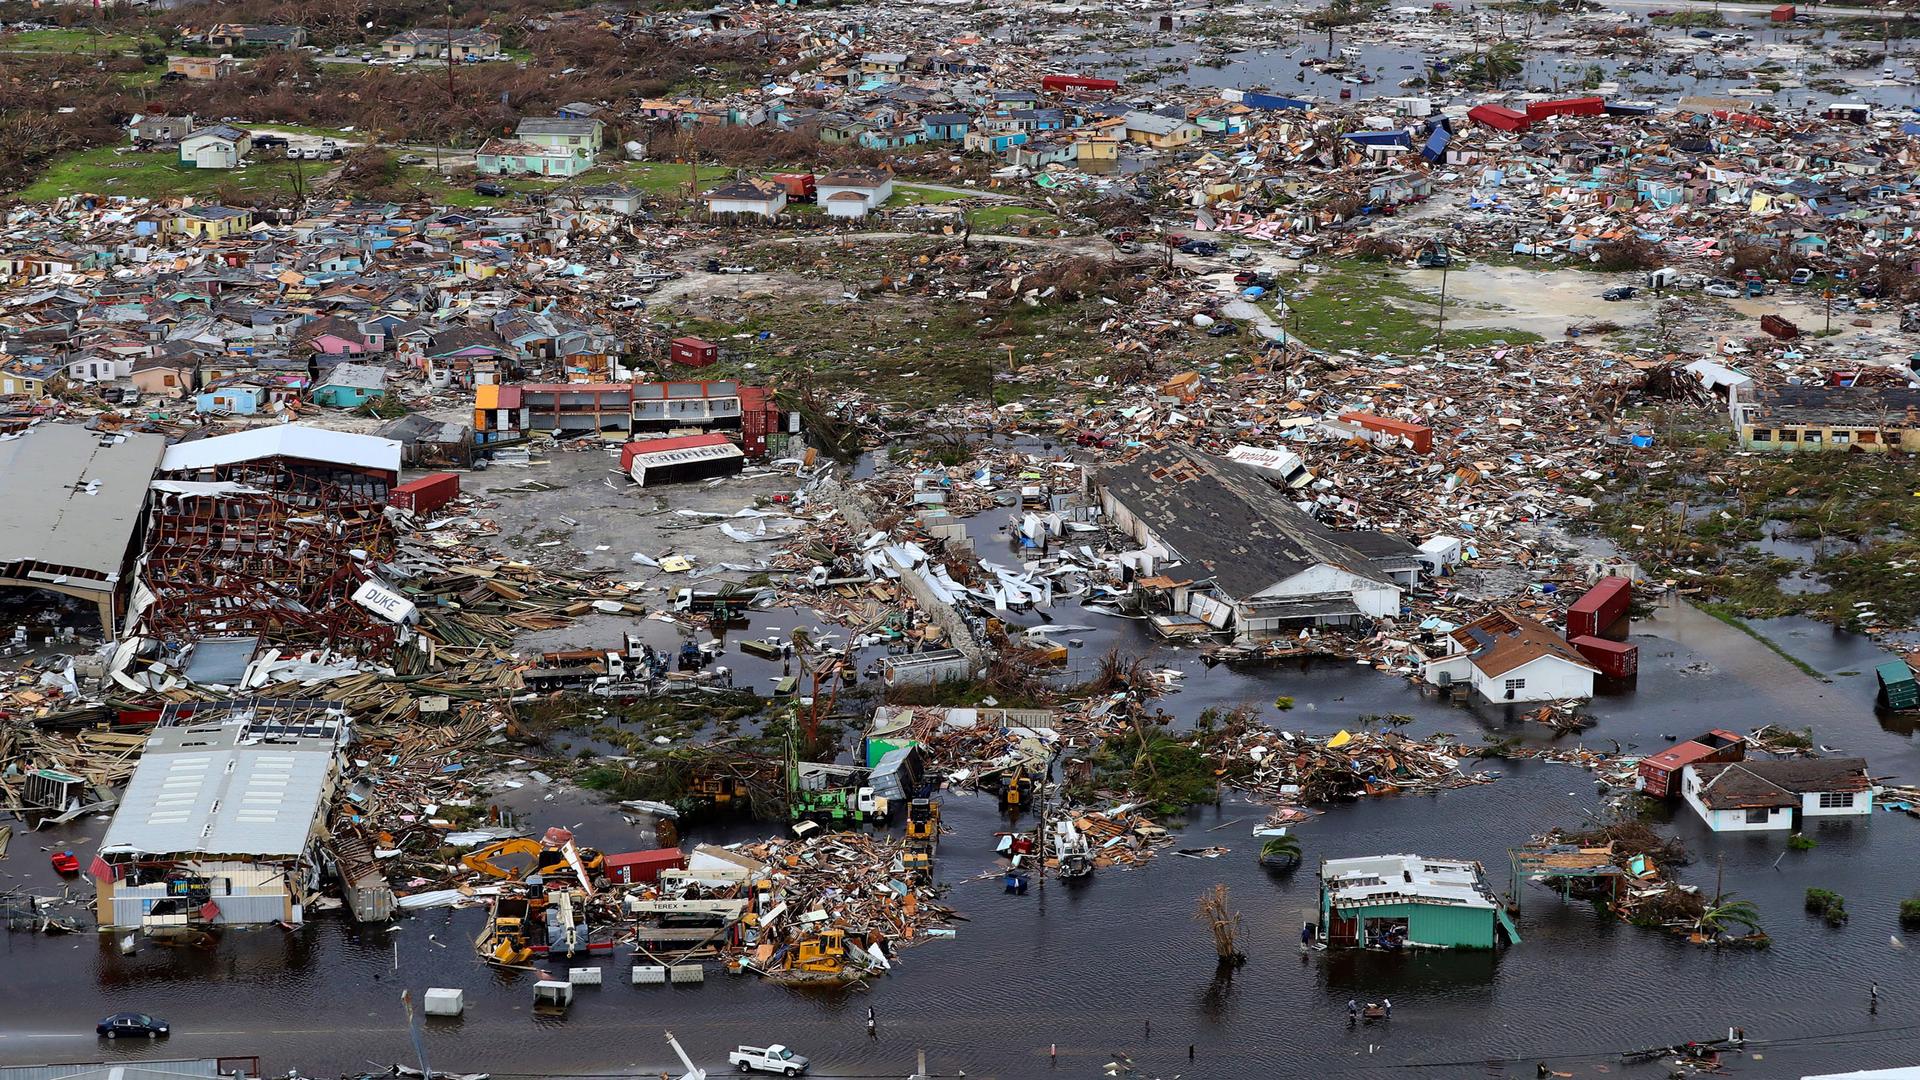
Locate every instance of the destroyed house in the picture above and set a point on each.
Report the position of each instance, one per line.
(1509, 657)
(1396, 901)
(1236, 554)
(1832, 418)
(1756, 796)
(222, 822)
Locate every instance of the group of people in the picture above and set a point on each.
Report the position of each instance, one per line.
(1375, 1010)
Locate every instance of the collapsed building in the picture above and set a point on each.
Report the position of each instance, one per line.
(223, 821)
(269, 531)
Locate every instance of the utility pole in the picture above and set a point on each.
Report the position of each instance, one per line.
(1046, 832)
(1441, 329)
(413, 1032)
(1829, 302)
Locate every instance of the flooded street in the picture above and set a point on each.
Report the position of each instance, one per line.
(1115, 964)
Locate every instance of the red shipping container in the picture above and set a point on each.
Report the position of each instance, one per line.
(1783, 13)
(1077, 82)
(643, 867)
(427, 494)
(1499, 116)
(800, 187)
(1419, 435)
(1614, 658)
(694, 352)
(1581, 106)
(1602, 611)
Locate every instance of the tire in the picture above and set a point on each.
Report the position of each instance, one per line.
(744, 1067)
(112, 1034)
(153, 1034)
(791, 1071)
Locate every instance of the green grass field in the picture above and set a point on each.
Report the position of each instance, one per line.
(66, 41)
(909, 195)
(1360, 305)
(102, 171)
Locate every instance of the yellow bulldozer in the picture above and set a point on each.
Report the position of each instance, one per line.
(545, 861)
(824, 953)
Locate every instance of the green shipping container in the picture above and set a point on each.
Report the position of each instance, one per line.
(1897, 685)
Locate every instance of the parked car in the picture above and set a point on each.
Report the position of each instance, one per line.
(1127, 247)
(1723, 290)
(773, 1059)
(172, 76)
(1240, 253)
(1801, 276)
(1223, 329)
(365, 57)
(628, 303)
(1623, 292)
(412, 159)
(268, 142)
(490, 189)
(130, 1025)
(341, 50)
(1200, 247)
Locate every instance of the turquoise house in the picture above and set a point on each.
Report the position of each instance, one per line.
(1410, 901)
(350, 385)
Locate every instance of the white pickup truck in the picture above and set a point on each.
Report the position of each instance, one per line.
(773, 1059)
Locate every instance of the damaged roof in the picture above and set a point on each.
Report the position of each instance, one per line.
(1503, 641)
(1739, 785)
(1229, 519)
(74, 497)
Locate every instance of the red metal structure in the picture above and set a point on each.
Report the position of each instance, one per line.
(1602, 612)
(1616, 659)
(640, 867)
(427, 494)
(1783, 13)
(800, 187)
(1779, 327)
(1057, 83)
(1500, 117)
(1580, 106)
(693, 352)
(1656, 772)
(1419, 436)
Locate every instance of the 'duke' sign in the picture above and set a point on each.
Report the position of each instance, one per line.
(384, 602)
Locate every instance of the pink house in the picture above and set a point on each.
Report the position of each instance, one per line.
(335, 337)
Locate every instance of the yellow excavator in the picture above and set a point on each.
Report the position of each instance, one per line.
(586, 863)
(923, 821)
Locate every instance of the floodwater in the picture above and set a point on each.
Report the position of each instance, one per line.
(1404, 50)
(1116, 964)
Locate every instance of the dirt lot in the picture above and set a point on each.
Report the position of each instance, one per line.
(1520, 298)
(612, 518)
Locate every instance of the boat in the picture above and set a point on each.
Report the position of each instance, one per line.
(65, 862)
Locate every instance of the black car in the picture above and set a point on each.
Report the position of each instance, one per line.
(132, 1025)
(268, 141)
(1624, 292)
(1200, 247)
(491, 190)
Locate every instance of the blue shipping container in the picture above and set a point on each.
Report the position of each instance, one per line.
(1380, 138)
(1436, 147)
(1269, 101)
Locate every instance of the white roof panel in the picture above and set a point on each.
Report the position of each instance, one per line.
(285, 440)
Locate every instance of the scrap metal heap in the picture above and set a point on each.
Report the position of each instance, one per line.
(276, 547)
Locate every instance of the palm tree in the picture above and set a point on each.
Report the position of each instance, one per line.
(1730, 912)
(1281, 851)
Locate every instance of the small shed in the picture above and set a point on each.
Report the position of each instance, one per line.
(1399, 901)
(694, 352)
